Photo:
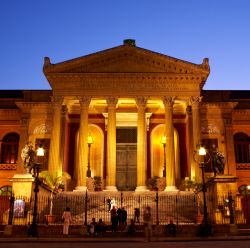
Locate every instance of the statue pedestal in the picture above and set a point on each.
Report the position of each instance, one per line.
(223, 184)
(223, 188)
(22, 185)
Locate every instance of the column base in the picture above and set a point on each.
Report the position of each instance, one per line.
(171, 189)
(110, 188)
(141, 188)
(80, 188)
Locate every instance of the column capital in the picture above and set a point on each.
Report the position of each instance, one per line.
(56, 100)
(227, 122)
(141, 101)
(64, 110)
(84, 100)
(24, 121)
(189, 110)
(195, 100)
(111, 101)
(168, 101)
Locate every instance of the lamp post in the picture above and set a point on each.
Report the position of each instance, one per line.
(163, 142)
(90, 142)
(33, 227)
(202, 158)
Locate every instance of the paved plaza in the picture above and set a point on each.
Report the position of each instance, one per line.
(135, 244)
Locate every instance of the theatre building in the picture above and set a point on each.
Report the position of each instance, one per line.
(126, 115)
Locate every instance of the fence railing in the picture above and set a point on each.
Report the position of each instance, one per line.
(181, 207)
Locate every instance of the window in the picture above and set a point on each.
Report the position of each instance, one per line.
(5, 190)
(242, 148)
(9, 148)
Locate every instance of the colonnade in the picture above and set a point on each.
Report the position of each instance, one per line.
(55, 163)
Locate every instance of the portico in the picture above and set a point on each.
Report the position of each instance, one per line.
(125, 87)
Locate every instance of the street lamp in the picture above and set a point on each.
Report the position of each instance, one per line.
(163, 142)
(202, 158)
(90, 142)
(33, 227)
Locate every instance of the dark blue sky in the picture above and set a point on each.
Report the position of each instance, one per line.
(65, 29)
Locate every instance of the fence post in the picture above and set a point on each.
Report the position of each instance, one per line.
(157, 207)
(177, 214)
(86, 206)
(231, 207)
(121, 199)
(11, 212)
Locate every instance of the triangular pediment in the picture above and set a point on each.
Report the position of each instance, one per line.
(126, 59)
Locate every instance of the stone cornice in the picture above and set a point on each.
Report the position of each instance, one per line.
(35, 107)
(241, 115)
(216, 105)
(9, 114)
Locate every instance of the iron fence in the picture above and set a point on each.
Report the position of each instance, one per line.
(181, 207)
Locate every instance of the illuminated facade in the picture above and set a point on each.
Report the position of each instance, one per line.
(127, 98)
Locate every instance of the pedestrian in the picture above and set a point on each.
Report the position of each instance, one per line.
(66, 217)
(137, 215)
(100, 228)
(124, 217)
(92, 227)
(109, 204)
(171, 229)
(114, 219)
(147, 222)
(119, 216)
(131, 228)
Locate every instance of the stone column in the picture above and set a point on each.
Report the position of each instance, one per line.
(141, 103)
(81, 167)
(195, 102)
(22, 141)
(63, 130)
(55, 164)
(191, 162)
(170, 152)
(230, 164)
(111, 145)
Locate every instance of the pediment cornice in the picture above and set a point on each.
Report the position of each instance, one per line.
(127, 59)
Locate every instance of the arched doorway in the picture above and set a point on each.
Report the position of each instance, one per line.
(157, 152)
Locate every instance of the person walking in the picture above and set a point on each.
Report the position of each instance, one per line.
(147, 221)
(137, 215)
(124, 217)
(66, 217)
(114, 219)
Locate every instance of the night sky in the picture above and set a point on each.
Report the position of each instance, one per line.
(64, 29)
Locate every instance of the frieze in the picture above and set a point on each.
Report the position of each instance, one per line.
(8, 166)
(152, 83)
(42, 129)
(209, 128)
(243, 166)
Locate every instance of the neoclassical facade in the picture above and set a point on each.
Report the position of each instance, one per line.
(128, 100)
